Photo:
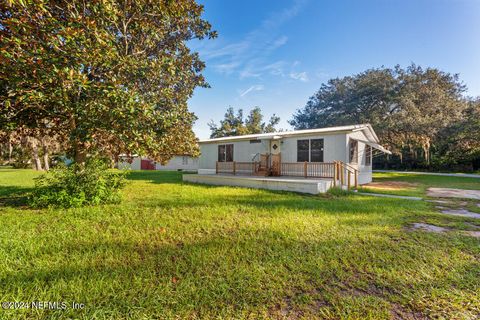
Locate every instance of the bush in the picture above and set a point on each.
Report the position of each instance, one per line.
(77, 185)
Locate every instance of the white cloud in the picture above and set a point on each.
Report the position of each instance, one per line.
(226, 67)
(257, 87)
(280, 42)
(302, 76)
(248, 57)
(276, 68)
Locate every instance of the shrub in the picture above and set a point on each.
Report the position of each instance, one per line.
(77, 185)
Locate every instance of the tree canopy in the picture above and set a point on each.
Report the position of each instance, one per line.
(235, 124)
(411, 109)
(107, 77)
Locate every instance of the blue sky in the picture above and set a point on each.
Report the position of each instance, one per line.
(276, 54)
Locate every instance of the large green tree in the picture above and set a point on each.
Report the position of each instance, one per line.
(459, 142)
(108, 76)
(235, 124)
(409, 107)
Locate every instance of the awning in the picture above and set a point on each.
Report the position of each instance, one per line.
(374, 145)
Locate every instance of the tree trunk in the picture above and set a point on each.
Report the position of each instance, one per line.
(36, 158)
(10, 151)
(80, 156)
(46, 158)
(426, 148)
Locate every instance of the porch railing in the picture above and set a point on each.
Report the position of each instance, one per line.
(236, 167)
(341, 173)
(308, 169)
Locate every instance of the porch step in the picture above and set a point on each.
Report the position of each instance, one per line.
(261, 172)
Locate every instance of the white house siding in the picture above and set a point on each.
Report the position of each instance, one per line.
(364, 171)
(333, 147)
(135, 165)
(336, 147)
(185, 163)
(243, 151)
(176, 163)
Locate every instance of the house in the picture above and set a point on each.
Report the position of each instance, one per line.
(325, 157)
(177, 163)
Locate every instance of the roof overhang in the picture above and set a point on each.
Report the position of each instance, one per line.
(374, 145)
(365, 128)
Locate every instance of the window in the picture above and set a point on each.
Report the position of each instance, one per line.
(310, 150)
(316, 150)
(354, 151)
(221, 153)
(368, 155)
(225, 153)
(255, 141)
(302, 150)
(185, 161)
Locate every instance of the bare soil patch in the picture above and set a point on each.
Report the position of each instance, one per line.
(390, 185)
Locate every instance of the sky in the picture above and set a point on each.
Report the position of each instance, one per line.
(275, 54)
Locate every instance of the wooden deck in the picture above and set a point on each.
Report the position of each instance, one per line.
(337, 172)
(297, 184)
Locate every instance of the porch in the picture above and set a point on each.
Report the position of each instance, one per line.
(294, 184)
(337, 172)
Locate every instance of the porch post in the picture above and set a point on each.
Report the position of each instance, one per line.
(338, 169)
(356, 179)
(334, 173)
(342, 174)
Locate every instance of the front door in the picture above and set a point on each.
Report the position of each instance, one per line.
(275, 147)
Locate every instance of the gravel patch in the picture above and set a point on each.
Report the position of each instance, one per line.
(429, 227)
(453, 193)
(462, 213)
(475, 234)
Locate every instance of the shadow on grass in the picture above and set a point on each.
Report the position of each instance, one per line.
(256, 268)
(275, 200)
(13, 196)
(157, 177)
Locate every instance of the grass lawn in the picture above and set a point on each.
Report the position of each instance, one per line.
(417, 184)
(174, 250)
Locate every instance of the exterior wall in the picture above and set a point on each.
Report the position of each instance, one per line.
(135, 165)
(364, 171)
(336, 148)
(333, 147)
(243, 151)
(176, 163)
(185, 163)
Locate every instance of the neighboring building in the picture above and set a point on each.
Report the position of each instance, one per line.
(177, 163)
(316, 153)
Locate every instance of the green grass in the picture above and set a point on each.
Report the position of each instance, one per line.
(420, 183)
(174, 250)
